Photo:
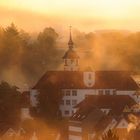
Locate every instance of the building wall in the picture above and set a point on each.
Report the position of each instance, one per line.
(33, 97)
(74, 137)
(75, 96)
(75, 130)
(80, 95)
(25, 114)
(67, 108)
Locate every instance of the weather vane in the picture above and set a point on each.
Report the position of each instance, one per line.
(70, 28)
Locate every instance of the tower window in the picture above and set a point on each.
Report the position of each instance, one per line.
(72, 60)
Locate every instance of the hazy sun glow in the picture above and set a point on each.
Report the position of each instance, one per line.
(122, 11)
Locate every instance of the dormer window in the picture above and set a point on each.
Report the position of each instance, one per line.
(76, 61)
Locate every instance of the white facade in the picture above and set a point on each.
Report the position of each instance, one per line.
(74, 137)
(75, 128)
(77, 95)
(33, 97)
(25, 114)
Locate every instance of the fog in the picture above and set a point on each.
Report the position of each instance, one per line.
(26, 56)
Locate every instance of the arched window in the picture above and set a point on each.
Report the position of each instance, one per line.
(72, 61)
(65, 62)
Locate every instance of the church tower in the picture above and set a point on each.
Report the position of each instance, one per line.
(71, 59)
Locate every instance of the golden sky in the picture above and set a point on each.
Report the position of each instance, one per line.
(84, 14)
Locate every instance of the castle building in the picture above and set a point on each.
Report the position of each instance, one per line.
(75, 85)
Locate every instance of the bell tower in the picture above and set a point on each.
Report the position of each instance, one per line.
(71, 59)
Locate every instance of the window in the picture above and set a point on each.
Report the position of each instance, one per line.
(107, 92)
(67, 102)
(65, 62)
(76, 61)
(114, 92)
(62, 102)
(72, 60)
(74, 102)
(74, 93)
(101, 92)
(66, 112)
(68, 93)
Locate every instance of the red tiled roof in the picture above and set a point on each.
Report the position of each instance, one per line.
(103, 123)
(119, 80)
(115, 103)
(87, 114)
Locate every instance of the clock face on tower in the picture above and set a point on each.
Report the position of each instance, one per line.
(89, 79)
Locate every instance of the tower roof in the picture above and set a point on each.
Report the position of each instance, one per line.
(70, 43)
(71, 53)
(119, 80)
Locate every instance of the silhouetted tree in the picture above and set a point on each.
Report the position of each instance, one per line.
(9, 105)
(30, 55)
(49, 100)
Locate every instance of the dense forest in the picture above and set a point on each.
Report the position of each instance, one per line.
(26, 57)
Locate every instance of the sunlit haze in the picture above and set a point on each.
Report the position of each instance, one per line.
(84, 14)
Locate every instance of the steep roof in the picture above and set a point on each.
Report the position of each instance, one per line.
(103, 123)
(119, 80)
(87, 115)
(115, 103)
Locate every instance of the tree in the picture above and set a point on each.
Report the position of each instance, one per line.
(110, 135)
(9, 105)
(49, 100)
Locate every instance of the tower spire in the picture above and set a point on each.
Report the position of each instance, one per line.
(71, 59)
(70, 43)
